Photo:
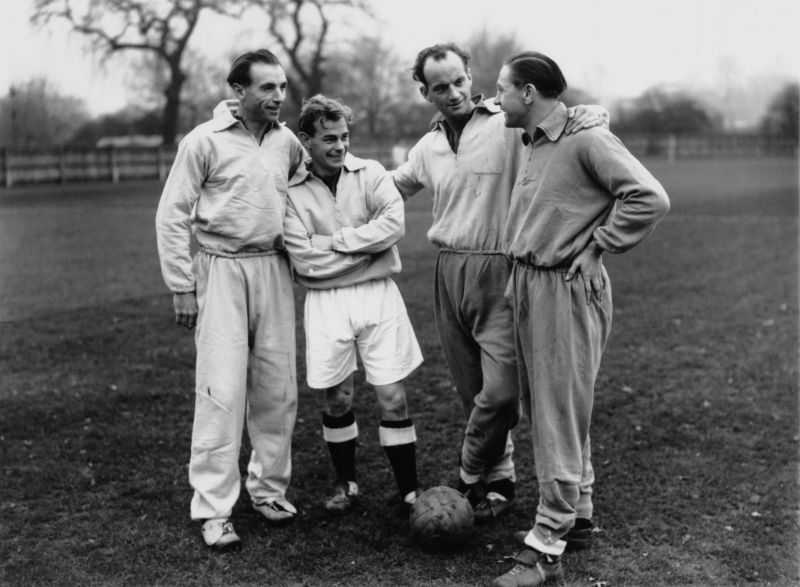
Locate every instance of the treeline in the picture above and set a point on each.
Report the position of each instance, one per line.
(177, 88)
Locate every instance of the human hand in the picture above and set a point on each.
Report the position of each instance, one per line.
(586, 116)
(185, 309)
(588, 264)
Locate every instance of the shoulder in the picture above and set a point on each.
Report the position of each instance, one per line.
(589, 138)
(199, 141)
(284, 133)
(371, 167)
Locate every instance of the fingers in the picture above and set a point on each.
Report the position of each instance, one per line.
(593, 287)
(585, 121)
(587, 288)
(573, 269)
(598, 285)
(187, 320)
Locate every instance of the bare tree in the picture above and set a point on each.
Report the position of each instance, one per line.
(159, 27)
(487, 53)
(367, 77)
(35, 114)
(302, 30)
(781, 117)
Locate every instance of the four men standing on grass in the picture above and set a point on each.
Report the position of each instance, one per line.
(517, 217)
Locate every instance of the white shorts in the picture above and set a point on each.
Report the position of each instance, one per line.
(367, 320)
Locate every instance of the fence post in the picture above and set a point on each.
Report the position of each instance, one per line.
(7, 167)
(671, 148)
(62, 165)
(112, 161)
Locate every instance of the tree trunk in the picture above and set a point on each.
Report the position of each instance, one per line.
(172, 106)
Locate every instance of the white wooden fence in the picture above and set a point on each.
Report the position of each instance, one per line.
(75, 164)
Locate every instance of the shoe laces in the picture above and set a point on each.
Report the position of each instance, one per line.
(227, 527)
(518, 569)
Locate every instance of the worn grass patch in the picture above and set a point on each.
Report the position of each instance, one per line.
(695, 433)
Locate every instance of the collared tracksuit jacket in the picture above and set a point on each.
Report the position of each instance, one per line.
(571, 190)
(471, 190)
(365, 220)
(229, 189)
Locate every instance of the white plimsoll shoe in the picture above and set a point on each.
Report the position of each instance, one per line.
(276, 510)
(219, 533)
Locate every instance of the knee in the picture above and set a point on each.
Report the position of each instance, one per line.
(338, 400)
(392, 401)
(499, 402)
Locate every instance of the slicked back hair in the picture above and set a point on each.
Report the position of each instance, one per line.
(240, 70)
(437, 53)
(321, 108)
(531, 67)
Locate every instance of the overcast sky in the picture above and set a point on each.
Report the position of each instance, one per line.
(610, 48)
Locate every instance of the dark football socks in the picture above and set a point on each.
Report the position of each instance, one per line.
(399, 441)
(340, 433)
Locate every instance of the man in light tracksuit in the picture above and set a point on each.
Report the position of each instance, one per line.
(576, 197)
(228, 186)
(343, 220)
(469, 161)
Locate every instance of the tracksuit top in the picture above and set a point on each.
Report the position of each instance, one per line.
(471, 187)
(230, 189)
(349, 238)
(575, 188)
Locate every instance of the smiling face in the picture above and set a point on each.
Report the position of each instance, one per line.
(261, 101)
(449, 86)
(328, 146)
(512, 100)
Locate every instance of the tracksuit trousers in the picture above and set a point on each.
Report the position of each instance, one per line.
(475, 325)
(245, 339)
(560, 342)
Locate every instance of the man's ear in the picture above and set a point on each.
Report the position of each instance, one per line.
(238, 91)
(530, 92)
(423, 90)
(305, 140)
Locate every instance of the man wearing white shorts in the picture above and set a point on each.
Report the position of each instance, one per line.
(342, 222)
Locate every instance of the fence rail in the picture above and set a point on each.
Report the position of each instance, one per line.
(76, 164)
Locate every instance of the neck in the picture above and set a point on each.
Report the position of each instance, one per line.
(256, 127)
(330, 179)
(458, 123)
(540, 110)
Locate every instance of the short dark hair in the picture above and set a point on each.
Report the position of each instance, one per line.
(531, 67)
(321, 107)
(437, 53)
(240, 70)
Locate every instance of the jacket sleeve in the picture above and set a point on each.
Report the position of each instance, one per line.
(174, 218)
(409, 177)
(387, 218)
(641, 199)
(311, 262)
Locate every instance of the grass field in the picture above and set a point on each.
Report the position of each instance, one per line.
(695, 431)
